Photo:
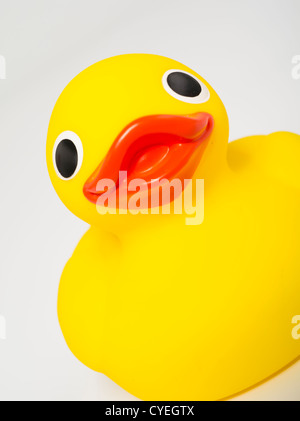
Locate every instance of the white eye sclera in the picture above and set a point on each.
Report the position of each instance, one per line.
(67, 155)
(185, 87)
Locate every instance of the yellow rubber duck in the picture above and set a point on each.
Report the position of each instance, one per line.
(169, 310)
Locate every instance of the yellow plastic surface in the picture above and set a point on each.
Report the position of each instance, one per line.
(170, 311)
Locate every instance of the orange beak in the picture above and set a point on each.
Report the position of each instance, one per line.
(153, 148)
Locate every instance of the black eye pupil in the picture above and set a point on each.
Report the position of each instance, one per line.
(66, 157)
(184, 84)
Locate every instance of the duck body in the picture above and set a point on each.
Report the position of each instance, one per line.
(192, 313)
(176, 312)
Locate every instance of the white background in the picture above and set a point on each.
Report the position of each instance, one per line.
(243, 48)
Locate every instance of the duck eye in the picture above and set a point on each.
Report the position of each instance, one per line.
(184, 84)
(185, 87)
(66, 158)
(67, 155)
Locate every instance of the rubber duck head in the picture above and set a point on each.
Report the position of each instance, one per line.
(144, 115)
